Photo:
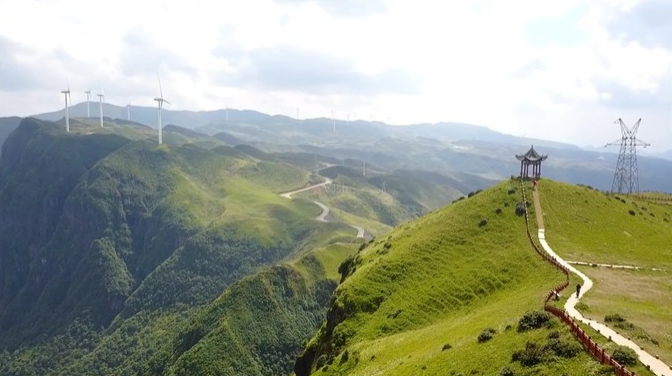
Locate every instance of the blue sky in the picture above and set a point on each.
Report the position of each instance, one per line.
(560, 70)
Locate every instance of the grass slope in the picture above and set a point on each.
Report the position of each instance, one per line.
(415, 301)
(587, 225)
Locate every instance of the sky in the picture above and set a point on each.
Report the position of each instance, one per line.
(561, 70)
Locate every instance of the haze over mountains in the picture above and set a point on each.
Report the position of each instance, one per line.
(443, 147)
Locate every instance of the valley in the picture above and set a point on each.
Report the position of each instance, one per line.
(201, 256)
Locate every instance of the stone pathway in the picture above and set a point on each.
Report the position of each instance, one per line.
(656, 365)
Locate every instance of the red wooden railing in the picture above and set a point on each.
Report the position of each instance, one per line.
(593, 348)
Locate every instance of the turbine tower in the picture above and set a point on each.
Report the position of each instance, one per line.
(626, 176)
(128, 112)
(160, 102)
(101, 98)
(66, 94)
(88, 108)
(333, 119)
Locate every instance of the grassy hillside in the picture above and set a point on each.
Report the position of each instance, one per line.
(127, 240)
(416, 301)
(383, 199)
(591, 226)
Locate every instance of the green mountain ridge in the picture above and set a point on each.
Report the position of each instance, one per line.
(137, 237)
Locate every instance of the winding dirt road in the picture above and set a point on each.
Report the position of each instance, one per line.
(361, 233)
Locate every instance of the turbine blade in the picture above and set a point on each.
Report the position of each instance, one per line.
(160, 89)
(166, 101)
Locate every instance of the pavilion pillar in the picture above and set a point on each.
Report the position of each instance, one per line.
(521, 168)
(527, 170)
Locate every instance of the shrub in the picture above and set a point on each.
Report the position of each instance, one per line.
(482, 222)
(345, 356)
(520, 209)
(533, 354)
(632, 212)
(614, 318)
(565, 349)
(625, 356)
(554, 334)
(511, 191)
(498, 211)
(447, 346)
(534, 320)
(507, 371)
(486, 335)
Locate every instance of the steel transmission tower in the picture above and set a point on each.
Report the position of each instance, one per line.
(626, 176)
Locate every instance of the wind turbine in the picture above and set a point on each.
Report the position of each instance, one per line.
(297, 113)
(88, 108)
(128, 112)
(160, 101)
(66, 94)
(101, 98)
(334, 119)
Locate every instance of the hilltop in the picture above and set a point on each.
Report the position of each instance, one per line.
(418, 299)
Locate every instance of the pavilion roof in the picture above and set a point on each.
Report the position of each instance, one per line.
(531, 156)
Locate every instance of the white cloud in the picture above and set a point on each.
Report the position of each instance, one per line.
(545, 69)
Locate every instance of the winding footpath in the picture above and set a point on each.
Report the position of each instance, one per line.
(361, 233)
(656, 365)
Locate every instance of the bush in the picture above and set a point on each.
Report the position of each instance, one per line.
(482, 222)
(632, 212)
(565, 349)
(533, 354)
(486, 335)
(511, 191)
(534, 320)
(507, 371)
(625, 356)
(474, 193)
(498, 211)
(554, 334)
(520, 209)
(614, 318)
(447, 346)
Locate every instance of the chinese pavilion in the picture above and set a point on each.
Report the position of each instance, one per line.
(531, 158)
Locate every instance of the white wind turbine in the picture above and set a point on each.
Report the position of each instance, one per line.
(66, 94)
(333, 119)
(101, 98)
(160, 101)
(88, 108)
(128, 112)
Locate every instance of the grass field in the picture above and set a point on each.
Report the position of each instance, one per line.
(591, 226)
(643, 297)
(419, 297)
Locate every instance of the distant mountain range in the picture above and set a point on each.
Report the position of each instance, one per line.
(207, 121)
(448, 148)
